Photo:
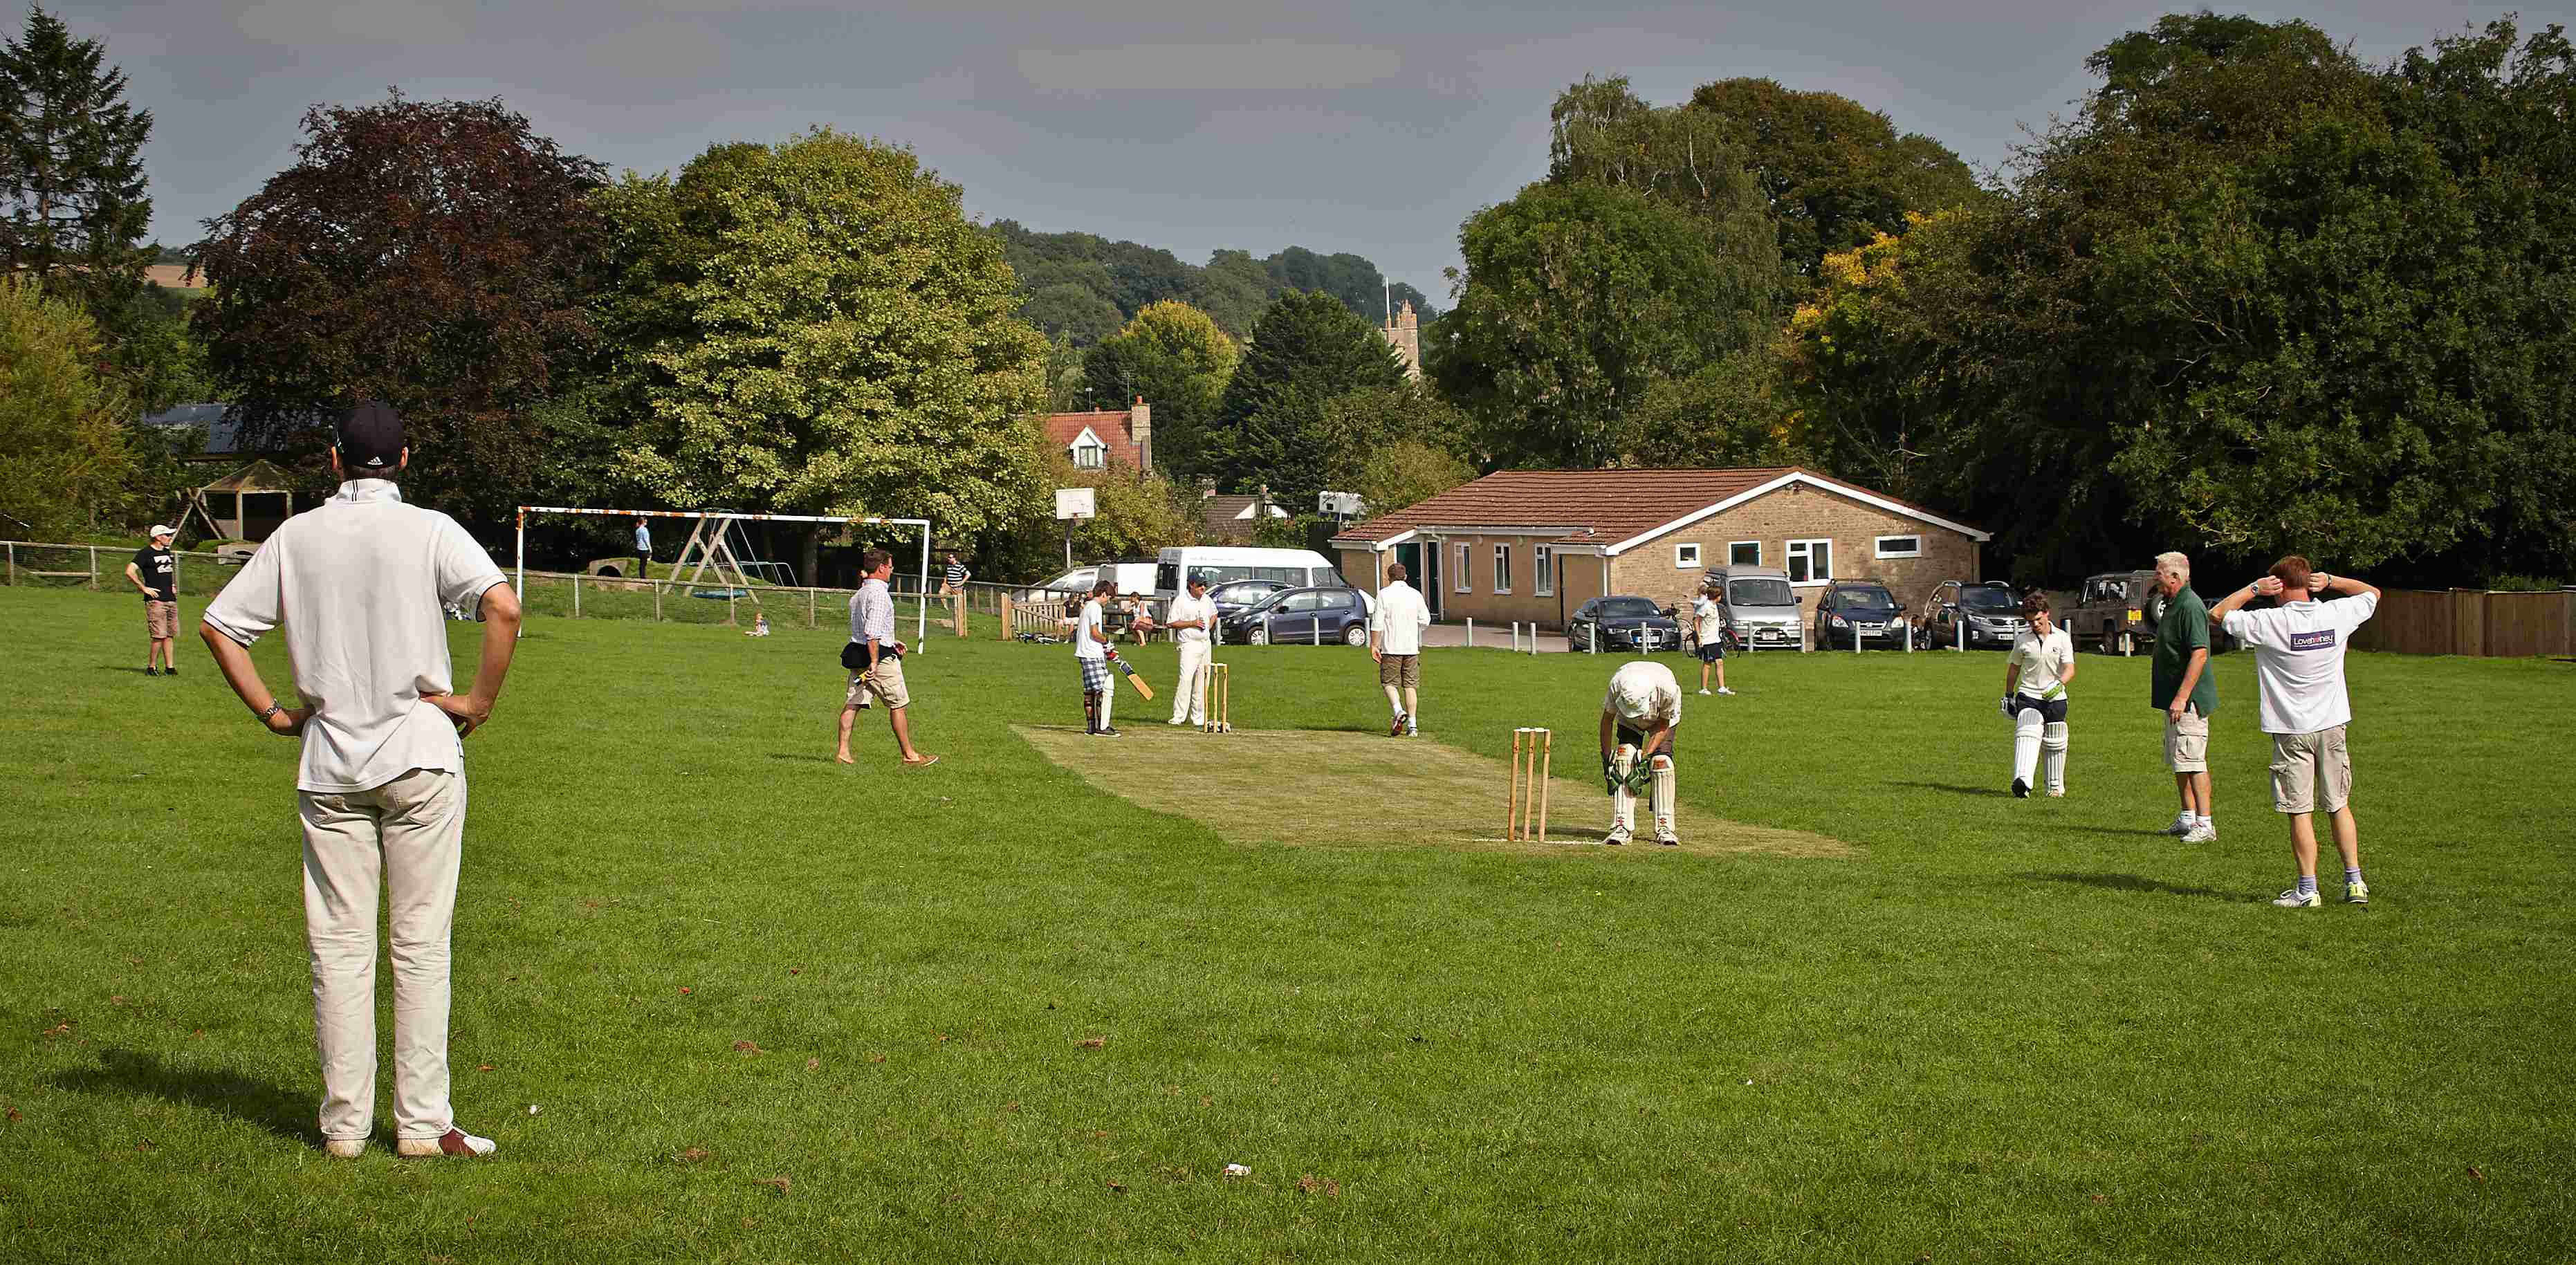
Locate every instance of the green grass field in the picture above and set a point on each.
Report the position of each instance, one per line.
(771, 1009)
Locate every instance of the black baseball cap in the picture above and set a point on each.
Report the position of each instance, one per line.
(370, 438)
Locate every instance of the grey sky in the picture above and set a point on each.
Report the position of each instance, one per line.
(1325, 124)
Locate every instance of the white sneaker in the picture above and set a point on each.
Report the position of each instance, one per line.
(2293, 899)
(2181, 825)
(1665, 836)
(344, 1148)
(454, 1142)
(1725, 691)
(2058, 791)
(1703, 691)
(2200, 834)
(1618, 836)
(1176, 721)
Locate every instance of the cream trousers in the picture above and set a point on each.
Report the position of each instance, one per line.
(406, 837)
(1187, 703)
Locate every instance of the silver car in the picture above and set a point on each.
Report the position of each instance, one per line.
(1757, 605)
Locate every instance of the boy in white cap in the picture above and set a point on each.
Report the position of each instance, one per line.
(1638, 719)
(155, 570)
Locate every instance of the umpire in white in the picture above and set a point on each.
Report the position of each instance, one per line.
(360, 584)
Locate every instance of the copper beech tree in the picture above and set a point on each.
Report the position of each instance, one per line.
(435, 255)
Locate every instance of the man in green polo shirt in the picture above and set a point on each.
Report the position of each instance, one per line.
(2181, 689)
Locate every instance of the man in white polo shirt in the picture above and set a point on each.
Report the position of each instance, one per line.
(2298, 650)
(1190, 618)
(361, 584)
(1395, 641)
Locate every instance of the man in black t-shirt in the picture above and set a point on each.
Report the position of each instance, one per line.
(155, 570)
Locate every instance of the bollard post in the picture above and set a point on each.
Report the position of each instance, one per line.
(1471, 632)
(1963, 633)
(657, 600)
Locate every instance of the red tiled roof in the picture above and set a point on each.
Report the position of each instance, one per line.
(1596, 507)
(1111, 425)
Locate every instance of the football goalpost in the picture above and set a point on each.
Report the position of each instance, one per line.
(710, 538)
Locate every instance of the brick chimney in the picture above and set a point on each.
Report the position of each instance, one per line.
(1140, 427)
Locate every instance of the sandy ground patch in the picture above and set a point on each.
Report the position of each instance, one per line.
(1341, 788)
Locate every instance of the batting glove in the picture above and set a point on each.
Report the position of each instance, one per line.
(2009, 710)
(1610, 782)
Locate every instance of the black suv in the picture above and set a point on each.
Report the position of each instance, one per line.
(1855, 612)
(1973, 615)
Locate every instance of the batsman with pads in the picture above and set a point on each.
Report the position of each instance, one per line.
(1639, 717)
(2036, 674)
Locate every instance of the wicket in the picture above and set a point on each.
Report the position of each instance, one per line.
(1533, 755)
(1216, 696)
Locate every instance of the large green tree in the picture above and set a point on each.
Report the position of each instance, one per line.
(1833, 173)
(1175, 357)
(822, 331)
(72, 206)
(64, 462)
(1578, 298)
(438, 255)
(1306, 349)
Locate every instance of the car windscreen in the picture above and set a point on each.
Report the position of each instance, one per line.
(1984, 599)
(1627, 608)
(1759, 593)
(1860, 600)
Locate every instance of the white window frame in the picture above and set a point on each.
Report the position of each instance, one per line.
(1502, 568)
(1091, 456)
(1733, 545)
(1686, 557)
(1878, 546)
(1465, 580)
(1798, 551)
(1543, 570)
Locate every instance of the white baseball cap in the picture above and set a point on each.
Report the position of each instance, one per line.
(1632, 704)
(159, 530)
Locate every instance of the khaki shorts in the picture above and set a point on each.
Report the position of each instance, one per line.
(886, 683)
(161, 618)
(1404, 671)
(2187, 742)
(2302, 763)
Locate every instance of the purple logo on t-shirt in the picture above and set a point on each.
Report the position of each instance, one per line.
(2321, 639)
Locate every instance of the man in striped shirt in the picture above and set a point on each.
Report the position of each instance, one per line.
(952, 585)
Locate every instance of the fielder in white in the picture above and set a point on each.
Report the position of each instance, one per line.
(1395, 642)
(1190, 618)
(1638, 719)
(2036, 674)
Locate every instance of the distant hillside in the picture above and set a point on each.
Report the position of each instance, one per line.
(1086, 286)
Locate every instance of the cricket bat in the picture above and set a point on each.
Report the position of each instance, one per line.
(1132, 678)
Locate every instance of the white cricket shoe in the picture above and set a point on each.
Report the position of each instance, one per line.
(2200, 834)
(1619, 835)
(344, 1148)
(2295, 899)
(455, 1142)
(1703, 691)
(1725, 691)
(1176, 721)
(1665, 836)
(2181, 825)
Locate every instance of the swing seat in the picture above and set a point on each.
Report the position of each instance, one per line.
(721, 595)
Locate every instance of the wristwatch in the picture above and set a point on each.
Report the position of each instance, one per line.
(274, 707)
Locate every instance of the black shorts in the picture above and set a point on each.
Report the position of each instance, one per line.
(1637, 738)
(1712, 651)
(2052, 711)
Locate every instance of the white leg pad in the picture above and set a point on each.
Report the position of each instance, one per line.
(1661, 794)
(2026, 730)
(2052, 743)
(1623, 802)
(1108, 696)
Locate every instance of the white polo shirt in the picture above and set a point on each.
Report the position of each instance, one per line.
(361, 583)
(2298, 659)
(1186, 607)
(1399, 619)
(2044, 661)
(1644, 696)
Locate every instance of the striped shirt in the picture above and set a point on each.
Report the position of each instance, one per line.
(956, 574)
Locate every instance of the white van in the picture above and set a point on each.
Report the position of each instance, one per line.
(1220, 563)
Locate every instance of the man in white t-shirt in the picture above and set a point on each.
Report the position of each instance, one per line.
(1708, 628)
(361, 584)
(1395, 642)
(2298, 650)
(2036, 674)
(1190, 618)
(1091, 652)
(1639, 715)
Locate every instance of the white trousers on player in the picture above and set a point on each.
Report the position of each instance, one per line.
(407, 837)
(1188, 703)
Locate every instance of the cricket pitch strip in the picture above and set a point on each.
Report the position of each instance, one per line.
(1338, 788)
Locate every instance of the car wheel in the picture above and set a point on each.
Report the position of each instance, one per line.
(1259, 636)
(1355, 635)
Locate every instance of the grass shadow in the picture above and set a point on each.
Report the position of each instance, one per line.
(2134, 832)
(800, 758)
(1956, 789)
(112, 668)
(2138, 883)
(280, 1111)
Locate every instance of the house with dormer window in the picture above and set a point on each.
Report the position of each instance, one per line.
(1095, 440)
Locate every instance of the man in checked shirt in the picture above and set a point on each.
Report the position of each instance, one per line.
(876, 660)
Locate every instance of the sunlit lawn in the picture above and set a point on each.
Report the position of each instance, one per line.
(766, 1008)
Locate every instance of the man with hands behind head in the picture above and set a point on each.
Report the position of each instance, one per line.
(2298, 648)
(361, 584)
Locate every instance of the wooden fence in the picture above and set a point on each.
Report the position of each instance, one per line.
(2472, 622)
